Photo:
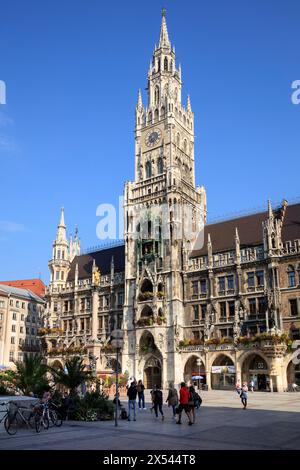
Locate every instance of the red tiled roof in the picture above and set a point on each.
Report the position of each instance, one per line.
(35, 285)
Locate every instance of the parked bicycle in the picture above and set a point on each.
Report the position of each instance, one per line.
(16, 416)
(52, 412)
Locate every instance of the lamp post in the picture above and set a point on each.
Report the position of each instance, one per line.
(117, 342)
(199, 364)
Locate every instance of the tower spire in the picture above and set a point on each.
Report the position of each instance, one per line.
(164, 37)
(61, 228)
(139, 101)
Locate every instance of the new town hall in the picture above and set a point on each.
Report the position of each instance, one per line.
(221, 302)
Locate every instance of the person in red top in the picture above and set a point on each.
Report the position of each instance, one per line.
(184, 403)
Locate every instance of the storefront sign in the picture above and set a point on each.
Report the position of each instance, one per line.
(223, 369)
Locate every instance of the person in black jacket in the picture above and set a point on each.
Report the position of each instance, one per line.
(132, 393)
(157, 397)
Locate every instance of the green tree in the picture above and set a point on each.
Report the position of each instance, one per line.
(30, 375)
(72, 375)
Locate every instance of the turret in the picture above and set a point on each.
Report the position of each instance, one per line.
(60, 263)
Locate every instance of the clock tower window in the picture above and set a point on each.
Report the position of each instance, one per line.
(166, 64)
(148, 170)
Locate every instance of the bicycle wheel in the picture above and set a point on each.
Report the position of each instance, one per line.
(11, 425)
(52, 418)
(59, 420)
(45, 422)
(38, 423)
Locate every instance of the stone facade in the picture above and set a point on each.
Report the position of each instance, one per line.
(213, 301)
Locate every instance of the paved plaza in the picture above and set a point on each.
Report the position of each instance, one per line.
(272, 421)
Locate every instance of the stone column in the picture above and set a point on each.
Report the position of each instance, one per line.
(95, 315)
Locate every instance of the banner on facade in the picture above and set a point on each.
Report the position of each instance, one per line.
(223, 369)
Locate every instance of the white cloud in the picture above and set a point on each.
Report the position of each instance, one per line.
(7, 226)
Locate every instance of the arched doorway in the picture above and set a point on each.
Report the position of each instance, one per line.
(293, 375)
(193, 369)
(152, 373)
(223, 373)
(256, 368)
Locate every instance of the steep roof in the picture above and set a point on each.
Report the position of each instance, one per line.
(102, 258)
(34, 285)
(250, 231)
(21, 293)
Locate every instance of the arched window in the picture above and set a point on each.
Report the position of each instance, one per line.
(150, 118)
(184, 120)
(291, 276)
(171, 66)
(185, 145)
(148, 170)
(156, 115)
(156, 95)
(176, 95)
(162, 112)
(166, 64)
(158, 65)
(159, 166)
(178, 140)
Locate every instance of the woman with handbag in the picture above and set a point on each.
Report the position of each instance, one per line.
(192, 403)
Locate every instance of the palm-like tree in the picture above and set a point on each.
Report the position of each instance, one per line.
(72, 375)
(30, 375)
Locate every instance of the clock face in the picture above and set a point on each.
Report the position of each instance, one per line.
(153, 137)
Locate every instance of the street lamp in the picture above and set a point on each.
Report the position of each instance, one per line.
(199, 362)
(117, 343)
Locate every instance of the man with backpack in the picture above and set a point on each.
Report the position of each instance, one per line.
(158, 401)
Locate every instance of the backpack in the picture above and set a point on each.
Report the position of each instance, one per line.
(124, 414)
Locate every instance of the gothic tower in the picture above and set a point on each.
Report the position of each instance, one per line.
(164, 212)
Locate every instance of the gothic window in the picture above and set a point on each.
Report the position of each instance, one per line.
(171, 66)
(166, 64)
(251, 281)
(273, 241)
(203, 286)
(158, 65)
(62, 275)
(178, 140)
(231, 308)
(196, 312)
(291, 277)
(58, 254)
(185, 145)
(221, 284)
(293, 307)
(203, 311)
(162, 112)
(156, 95)
(184, 119)
(150, 118)
(159, 166)
(222, 310)
(176, 95)
(252, 306)
(57, 276)
(156, 115)
(260, 279)
(148, 170)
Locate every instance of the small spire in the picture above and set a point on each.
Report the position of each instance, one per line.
(270, 211)
(237, 235)
(188, 105)
(139, 101)
(62, 218)
(179, 71)
(164, 37)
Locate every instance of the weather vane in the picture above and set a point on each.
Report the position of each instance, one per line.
(163, 11)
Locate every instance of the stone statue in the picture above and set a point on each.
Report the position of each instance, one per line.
(96, 276)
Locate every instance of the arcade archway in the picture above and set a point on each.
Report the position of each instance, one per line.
(256, 369)
(223, 373)
(193, 369)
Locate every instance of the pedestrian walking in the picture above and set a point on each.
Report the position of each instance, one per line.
(172, 398)
(132, 393)
(158, 401)
(251, 385)
(141, 394)
(193, 398)
(244, 395)
(184, 403)
(238, 388)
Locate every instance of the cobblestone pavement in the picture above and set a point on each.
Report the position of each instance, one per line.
(272, 421)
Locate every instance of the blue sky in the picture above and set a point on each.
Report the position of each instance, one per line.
(72, 70)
